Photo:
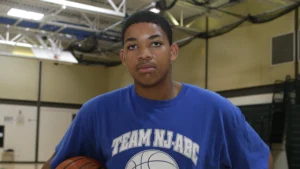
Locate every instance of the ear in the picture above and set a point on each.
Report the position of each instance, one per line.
(174, 51)
(122, 57)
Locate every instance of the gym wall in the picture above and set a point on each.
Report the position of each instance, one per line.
(21, 137)
(72, 84)
(54, 122)
(62, 84)
(19, 78)
(189, 67)
(118, 77)
(242, 57)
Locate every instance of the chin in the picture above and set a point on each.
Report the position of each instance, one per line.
(147, 83)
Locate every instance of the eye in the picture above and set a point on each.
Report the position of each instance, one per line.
(156, 44)
(131, 47)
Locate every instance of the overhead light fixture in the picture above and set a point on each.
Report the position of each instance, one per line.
(155, 10)
(16, 44)
(86, 7)
(25, 14)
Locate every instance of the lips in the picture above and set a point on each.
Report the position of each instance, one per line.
(146, 68)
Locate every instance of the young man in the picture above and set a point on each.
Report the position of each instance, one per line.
(158, 123)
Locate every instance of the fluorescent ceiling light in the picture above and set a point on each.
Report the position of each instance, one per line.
(25, 14)
(16, 44)
(85, 7)
(155, 10)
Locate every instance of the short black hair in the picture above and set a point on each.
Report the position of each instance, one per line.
(148, 17)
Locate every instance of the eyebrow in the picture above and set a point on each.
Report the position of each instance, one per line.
(154, 36)
(130, 39)
(151, 37)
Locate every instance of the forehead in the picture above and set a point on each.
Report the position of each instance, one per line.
(143, 29)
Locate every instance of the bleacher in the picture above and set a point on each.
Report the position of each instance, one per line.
(279, 119)
(293, 126)
(259, 116)
(293, 137)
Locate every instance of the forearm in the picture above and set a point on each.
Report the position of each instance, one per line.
(270, 161)
(47, 164)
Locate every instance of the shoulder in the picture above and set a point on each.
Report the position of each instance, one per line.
(105, 100)
(208, 96)
(108, 96)
(221, 105)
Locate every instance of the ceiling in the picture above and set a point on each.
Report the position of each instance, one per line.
(69, 26)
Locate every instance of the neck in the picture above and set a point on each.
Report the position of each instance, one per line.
(164, 90)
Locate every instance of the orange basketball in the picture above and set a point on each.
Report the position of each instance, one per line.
(80, 162)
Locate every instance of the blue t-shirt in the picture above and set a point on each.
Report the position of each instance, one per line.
(198, 129)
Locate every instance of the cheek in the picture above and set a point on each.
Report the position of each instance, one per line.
(163, 59)
(130, 64)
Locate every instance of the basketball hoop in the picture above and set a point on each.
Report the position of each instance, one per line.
(56, 54)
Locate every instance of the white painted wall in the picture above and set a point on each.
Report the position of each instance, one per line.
(21, 138)
(54, 122)
(19, 78)
(252, 99)
(279, 156)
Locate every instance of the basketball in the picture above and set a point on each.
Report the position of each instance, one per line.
(80, 162)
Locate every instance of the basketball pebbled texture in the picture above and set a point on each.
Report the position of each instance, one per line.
(80, 162)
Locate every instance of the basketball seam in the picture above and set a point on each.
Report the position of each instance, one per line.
(85, 164)
(73, 162)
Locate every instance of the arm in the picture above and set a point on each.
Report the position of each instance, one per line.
(270, 161)
(78, 139)
(242, 147)
(47, 164)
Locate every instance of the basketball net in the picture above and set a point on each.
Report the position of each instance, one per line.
(56, 54)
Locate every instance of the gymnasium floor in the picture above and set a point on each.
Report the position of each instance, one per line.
(21, 166)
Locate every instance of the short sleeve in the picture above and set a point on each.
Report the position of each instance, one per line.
(242, 147)
(77, 139)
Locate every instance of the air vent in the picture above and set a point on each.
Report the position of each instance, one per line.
(283, 49)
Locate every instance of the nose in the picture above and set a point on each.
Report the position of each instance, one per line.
(144, 53)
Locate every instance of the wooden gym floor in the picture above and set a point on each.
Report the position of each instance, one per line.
(21, 166)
